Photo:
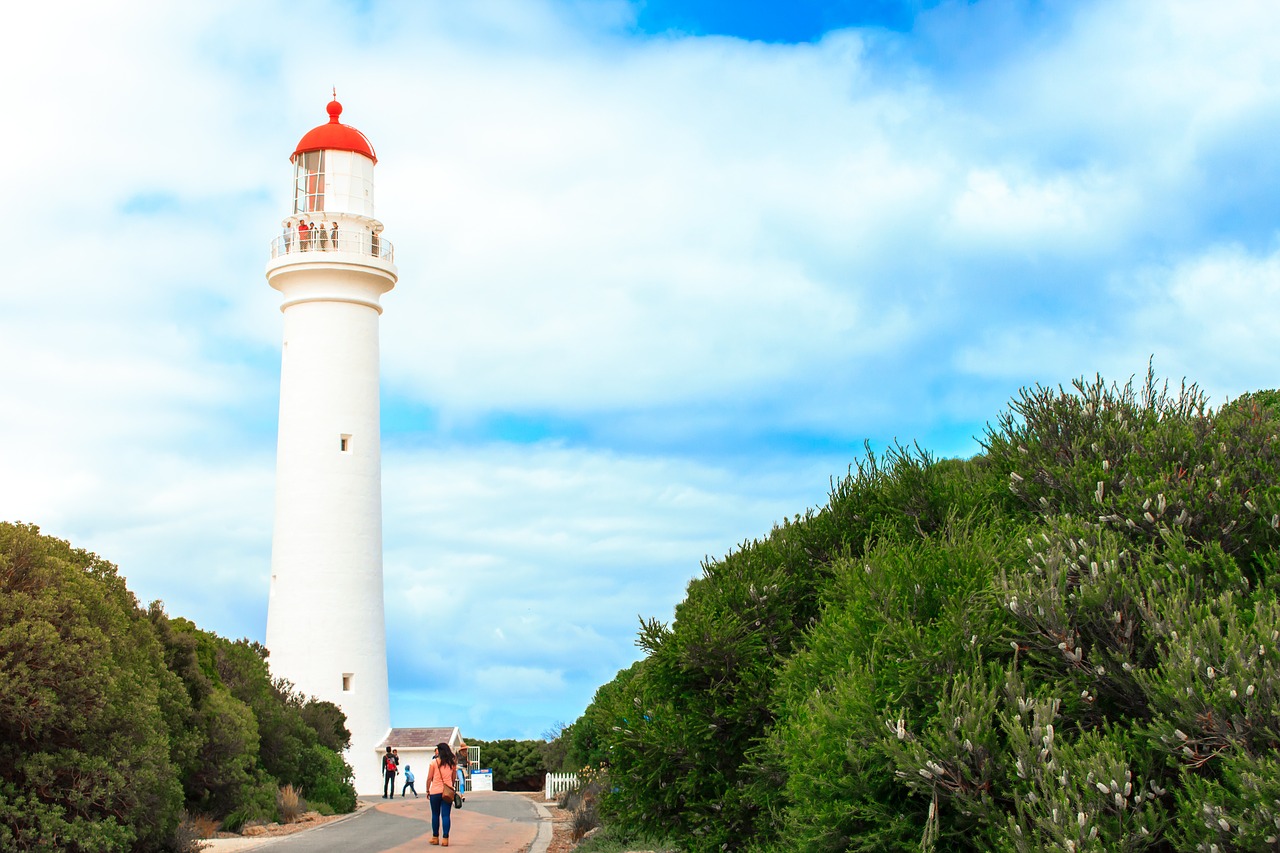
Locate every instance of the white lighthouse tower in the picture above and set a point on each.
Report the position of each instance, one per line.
(325, 627)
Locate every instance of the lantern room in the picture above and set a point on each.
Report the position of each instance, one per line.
(332, 209)
(333, 169)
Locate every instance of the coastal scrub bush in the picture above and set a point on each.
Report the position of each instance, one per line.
(249, 728)
(589, 737)
(84, 749)
(1143, 461)
(1068, 642)
(257, 806)
(909, 632)
(685, 752)
(114, 718)
(330, 779)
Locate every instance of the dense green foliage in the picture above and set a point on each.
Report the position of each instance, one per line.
(85, 761)
(113, 719)
(1067, 642)
(517, 765)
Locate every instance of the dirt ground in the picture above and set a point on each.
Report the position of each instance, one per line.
(561, 833)
(309, 820)
(561, 841)
(229, 842)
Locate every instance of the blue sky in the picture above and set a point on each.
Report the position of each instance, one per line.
(664, 267)
(782, 23)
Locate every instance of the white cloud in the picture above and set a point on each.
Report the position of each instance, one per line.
(1213, 316)
(1205, 317)
(518, 681)
(544, 558)
(1063, 214)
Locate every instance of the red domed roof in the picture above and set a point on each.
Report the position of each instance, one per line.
(335, 136)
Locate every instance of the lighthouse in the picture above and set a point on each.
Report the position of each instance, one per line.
(326, 631)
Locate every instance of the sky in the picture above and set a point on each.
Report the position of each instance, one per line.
(666, 268)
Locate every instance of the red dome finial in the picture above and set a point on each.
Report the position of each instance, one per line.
(335, 136)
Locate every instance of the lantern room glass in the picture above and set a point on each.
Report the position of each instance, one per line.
(308, 182)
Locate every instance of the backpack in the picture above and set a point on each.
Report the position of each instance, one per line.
(391, 764)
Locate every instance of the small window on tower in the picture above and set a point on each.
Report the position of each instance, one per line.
(346, 682)
(344, 443)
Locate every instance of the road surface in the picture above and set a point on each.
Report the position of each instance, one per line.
(490, 821)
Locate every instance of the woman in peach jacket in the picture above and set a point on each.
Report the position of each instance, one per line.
(441, 772)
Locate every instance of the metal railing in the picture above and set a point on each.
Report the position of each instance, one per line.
(319, 240)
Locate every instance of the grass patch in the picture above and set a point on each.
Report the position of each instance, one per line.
(608, 840)
(291, 804)
(189, 835)
(203, 825)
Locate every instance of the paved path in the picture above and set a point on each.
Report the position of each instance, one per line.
(490, 821)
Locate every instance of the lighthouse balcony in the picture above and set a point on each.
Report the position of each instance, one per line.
(319, 241)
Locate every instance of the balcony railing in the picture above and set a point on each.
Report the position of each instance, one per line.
(359, 243)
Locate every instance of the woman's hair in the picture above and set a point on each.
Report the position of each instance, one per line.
(445, 754)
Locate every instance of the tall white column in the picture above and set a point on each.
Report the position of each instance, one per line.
(325, 620)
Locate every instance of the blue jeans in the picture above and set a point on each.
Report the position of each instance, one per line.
(440, 809)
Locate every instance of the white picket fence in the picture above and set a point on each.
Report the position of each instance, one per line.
(558, 783)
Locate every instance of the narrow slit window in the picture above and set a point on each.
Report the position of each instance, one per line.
(344, 443)
(346, 682)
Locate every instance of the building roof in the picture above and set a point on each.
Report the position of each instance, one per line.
(421, 738)
(335, 136)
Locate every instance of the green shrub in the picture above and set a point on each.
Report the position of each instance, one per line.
(245, 724)
(901, 626)
(611, 840)
(1145, 461)
(589, 737)
(1069, 642)
(85, 755)
(583, 803)
(113, 718)
(331, 780)
(257, 806)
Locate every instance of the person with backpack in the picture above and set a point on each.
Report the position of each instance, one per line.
(389, 767)
(441, 791)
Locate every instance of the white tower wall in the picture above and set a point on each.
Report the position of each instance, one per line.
(326, 630)
(325, 624)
